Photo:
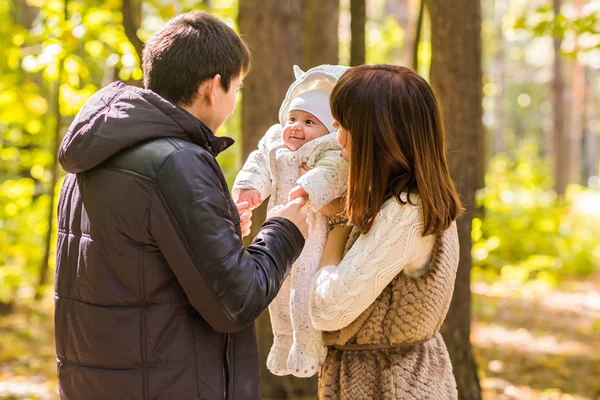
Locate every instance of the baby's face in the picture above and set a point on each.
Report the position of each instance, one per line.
(300, 128)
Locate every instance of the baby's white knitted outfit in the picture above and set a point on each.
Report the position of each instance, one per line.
(272, 169)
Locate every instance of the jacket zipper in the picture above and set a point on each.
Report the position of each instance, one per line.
(226, 368)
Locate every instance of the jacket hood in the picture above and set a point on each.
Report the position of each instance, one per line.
(120, 116)
(323, 77)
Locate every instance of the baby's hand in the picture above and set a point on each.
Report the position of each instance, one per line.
(296, 192)
(245, 218)
(250, 196)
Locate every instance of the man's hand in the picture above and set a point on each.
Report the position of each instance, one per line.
(245, 217)
(297, 191)
(250, 196)
(293, 212)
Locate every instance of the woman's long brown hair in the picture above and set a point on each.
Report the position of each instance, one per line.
(397, 144)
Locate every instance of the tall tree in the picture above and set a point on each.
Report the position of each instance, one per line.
(43, 277)
(456, 76)
(24, 13)
(560, 144)
(499, 142)
(418, 32)
(276, 47)
(401, 10)
(131, 11)
(358, 26)
(132, 20)
(590, 128)
(320, 32)
(577, 104)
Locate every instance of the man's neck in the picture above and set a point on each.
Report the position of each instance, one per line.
(198, 112)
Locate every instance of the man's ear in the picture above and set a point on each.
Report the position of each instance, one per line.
(208, 89)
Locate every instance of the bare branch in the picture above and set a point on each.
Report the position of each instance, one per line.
(132, 19)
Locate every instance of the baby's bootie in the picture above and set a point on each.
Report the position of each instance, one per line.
(305, 359)
(278, 356)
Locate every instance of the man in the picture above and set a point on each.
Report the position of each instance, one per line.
(155, 294)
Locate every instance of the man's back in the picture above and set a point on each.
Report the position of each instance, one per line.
(155, 294)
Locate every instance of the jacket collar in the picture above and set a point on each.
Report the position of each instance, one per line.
(203, 136)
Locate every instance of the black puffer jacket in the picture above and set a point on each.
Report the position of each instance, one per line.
(155, 294)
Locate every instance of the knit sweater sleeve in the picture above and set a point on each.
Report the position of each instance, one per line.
(340, 293)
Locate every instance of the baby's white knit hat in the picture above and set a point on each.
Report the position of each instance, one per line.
(315, 102)
(322, 79)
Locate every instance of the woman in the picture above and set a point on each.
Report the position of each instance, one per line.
(382, 303)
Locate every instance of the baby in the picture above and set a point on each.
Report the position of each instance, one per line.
(305, 135)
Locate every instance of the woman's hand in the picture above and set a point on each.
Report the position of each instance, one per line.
(333, 209)
(303, 169)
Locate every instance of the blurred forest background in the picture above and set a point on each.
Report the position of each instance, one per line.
(519, 81)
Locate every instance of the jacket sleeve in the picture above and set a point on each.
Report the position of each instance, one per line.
(256, 173)
(197, 230)
(327, 180)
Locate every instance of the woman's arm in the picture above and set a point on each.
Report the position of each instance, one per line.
(342, 290)
(335, 245)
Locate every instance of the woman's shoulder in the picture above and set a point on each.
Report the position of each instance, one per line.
(402, 207)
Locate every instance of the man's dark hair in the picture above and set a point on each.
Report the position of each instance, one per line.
(190, 49)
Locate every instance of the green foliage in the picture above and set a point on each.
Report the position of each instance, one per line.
(526, 232)
(42, 51)
(385, 41)
(544, 22)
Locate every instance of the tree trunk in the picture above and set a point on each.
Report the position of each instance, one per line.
(456, 76)
(499, 142)
(358, 26)
(132, 20)
(591, 132)
(24, 14)
(561, 154)
(418, 31)
(576, 129)
(401, 10)
(272, 29)
(43, 277)
(320, 32)
(577, 100)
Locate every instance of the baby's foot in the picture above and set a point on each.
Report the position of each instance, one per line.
(278, 356)
(305, 360)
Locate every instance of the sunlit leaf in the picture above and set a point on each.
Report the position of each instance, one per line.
(94, 48)
(37, 105)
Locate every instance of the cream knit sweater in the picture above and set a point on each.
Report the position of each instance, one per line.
(340, 293)
(393, 287)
